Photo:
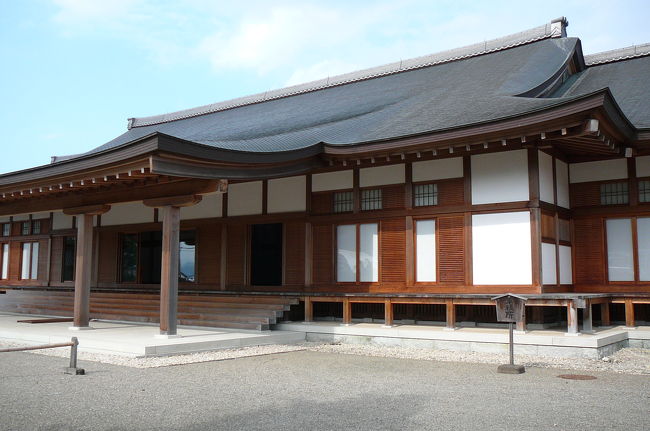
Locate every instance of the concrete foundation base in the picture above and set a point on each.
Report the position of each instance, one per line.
(511, 369)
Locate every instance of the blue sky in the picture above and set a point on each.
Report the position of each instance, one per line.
(75, 70)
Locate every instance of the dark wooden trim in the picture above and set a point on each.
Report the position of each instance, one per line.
(308, 192)
(224, 257)
(408, 185)
(89, 209)
(410, 251)
(265, 196)
(309, 255)
(633, 183)
(356, 192)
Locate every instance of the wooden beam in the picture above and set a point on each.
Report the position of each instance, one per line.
(83, 271)
(224, 257)
(89, 209)
(174, 201)
(169, 269)
(309, 255)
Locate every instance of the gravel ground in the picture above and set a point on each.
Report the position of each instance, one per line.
(629, 361)
(313, 390)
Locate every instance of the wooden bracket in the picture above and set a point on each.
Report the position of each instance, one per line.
(88, 209)
(173, 201)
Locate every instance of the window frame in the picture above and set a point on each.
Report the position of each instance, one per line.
(74, 259)
(358, 247)
(4, 264)
(644, 193)
(372, 200)
(604, 194)
(415, 250)
(31, 260)
(138, 275)
(635, 251)
(435, 194)
(6, 229)
(340, 192)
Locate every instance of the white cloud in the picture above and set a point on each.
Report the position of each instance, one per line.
(88, 13)
(320, 70)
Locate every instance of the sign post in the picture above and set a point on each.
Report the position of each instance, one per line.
(510, 309)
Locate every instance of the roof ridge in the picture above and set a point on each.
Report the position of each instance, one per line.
(619, 54)
(554, 29)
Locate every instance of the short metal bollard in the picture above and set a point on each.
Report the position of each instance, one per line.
(72, 369)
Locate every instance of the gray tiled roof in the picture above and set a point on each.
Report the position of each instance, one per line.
(447, 95)
(628, 80)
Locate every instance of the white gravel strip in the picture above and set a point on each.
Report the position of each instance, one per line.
(628, 361)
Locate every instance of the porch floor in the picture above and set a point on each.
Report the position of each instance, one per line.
(137, 339)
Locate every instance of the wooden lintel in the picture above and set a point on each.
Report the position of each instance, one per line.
(88, 209)
(173, 201)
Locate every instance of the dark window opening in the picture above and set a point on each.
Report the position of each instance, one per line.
(129, 261)
(266, 254)
(343, 202)
(26, 228)
(150, 257)
(186, 267)
(36, 227)
(371, 199)
(69, 251)
(644, 191)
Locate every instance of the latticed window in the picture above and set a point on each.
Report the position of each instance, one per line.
(343, 202)
(371, 199)
(425, 195)
(26, 228)
(613, 194)
(6, 229)
(644, 191)
(36, 227)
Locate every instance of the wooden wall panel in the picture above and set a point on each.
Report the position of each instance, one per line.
(208, 254)
(108, 257)
(451, 244)
(321, 203)
(42, 260)
(322, 254)
(588, 251)
(548, 226)
(236, 257)
(15, 257)
(393, 196)
(56, 263)
(294, 254)
(451, 192)
(393, 251)
(585, 194)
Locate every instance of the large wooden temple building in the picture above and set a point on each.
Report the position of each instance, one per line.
(415, 190)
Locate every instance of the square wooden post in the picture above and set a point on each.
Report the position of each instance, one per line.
(572, 318)
(169, 270)
(347, 312)
(309, 309)
(388, 313)
(521, 325)
(83, 262)
(451, 314)
(630, 321)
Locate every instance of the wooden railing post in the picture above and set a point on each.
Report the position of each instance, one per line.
(347, 312)
(630, 321)
(309, 309)
(451, 314)
(604, 314)
(388, 313)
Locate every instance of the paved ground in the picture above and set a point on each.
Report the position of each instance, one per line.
(313, 390)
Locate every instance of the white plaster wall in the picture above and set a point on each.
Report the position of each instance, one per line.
(382, 175)
(21, 217)
(431, 170)
(545, 177)
(601, 170)
(562, 181)
(245, 198)
(643, 166)
(287, 194)
(4, 219)
(127, 213)
(549, 269)
(61, 221)
(332, 181)
(501, 248)
(566, 270)
(500, 177)
(210, 206)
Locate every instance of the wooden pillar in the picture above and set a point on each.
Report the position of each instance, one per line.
(629, 314)
(224, 257)
(587, 321)
(410, 252)
(171, 220)
(171, 217)
(604, 314)
(451, 314)
(388, 313)
(308, 255)
(572, 318)
(83, 262)
(347, 312)
(309, 309)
